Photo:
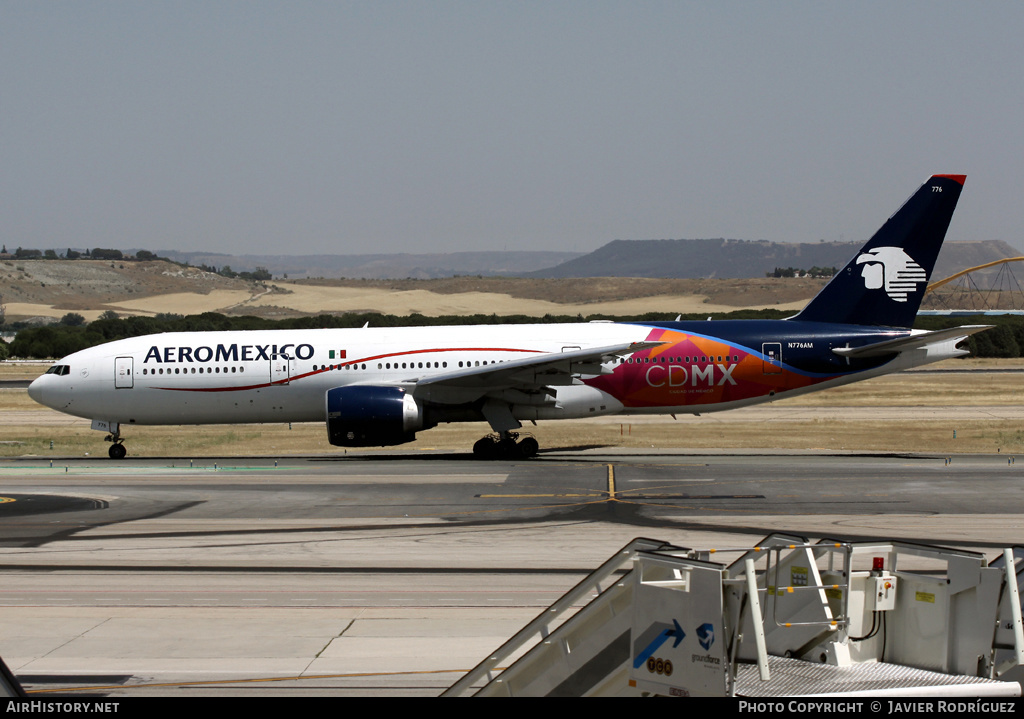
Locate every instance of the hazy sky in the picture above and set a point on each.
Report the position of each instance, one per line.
(389, 125)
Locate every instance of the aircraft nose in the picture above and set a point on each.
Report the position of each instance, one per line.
(35, 389)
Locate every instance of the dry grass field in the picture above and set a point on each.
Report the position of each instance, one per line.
(33, 289)
(908, 412)
(54, 288)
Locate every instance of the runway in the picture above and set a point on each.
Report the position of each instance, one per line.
(393, 573)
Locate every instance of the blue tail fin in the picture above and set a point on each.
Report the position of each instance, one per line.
(884, 283)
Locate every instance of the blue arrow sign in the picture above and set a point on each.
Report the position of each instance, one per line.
(651, 648)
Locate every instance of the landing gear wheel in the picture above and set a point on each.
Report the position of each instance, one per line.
(117, 451)
(485, 448)
(505, 446)
(528, 447)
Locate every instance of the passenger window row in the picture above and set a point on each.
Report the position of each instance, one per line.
(65, 369)
(192, 370)
(412, 365)
(687, 358)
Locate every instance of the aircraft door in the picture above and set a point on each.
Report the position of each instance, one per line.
(772, 352)
(123, 373)
(282, 368)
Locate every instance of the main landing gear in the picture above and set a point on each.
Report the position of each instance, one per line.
(505, 445)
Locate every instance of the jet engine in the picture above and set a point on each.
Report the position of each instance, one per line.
(372, 416)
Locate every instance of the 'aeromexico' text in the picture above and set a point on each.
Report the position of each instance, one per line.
(228, 353)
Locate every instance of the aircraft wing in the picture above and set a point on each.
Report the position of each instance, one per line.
(910, 342)
(528, 375)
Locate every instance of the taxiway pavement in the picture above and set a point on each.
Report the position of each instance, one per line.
(394, 573)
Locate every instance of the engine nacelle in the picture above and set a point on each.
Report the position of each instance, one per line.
(371, 416)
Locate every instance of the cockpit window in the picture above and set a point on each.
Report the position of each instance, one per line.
(59, 369)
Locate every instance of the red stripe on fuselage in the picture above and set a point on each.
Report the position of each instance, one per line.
(372, 358)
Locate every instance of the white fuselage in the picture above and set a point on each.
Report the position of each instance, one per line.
(283, 375)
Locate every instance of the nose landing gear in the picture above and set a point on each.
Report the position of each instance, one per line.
(117, 449)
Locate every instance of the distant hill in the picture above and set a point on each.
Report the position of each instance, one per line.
(722, 258)
(381, 267)
(677, 259)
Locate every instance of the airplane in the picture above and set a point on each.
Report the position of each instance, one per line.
(380, 386)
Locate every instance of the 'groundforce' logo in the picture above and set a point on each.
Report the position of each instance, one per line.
(706, 635)
(892, 269)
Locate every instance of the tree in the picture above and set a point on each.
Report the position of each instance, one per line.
(260, 274)
(101, 254)
(109, 315)
(72, 319)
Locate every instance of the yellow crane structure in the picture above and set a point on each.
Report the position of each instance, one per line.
(1005, 292)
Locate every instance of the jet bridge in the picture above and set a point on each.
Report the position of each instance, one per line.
(782, 618)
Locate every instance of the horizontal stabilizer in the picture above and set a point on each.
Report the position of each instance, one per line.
(910, 342)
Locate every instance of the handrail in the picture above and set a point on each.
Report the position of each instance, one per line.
(1010, 568)
(834, 622)
(539, 628)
